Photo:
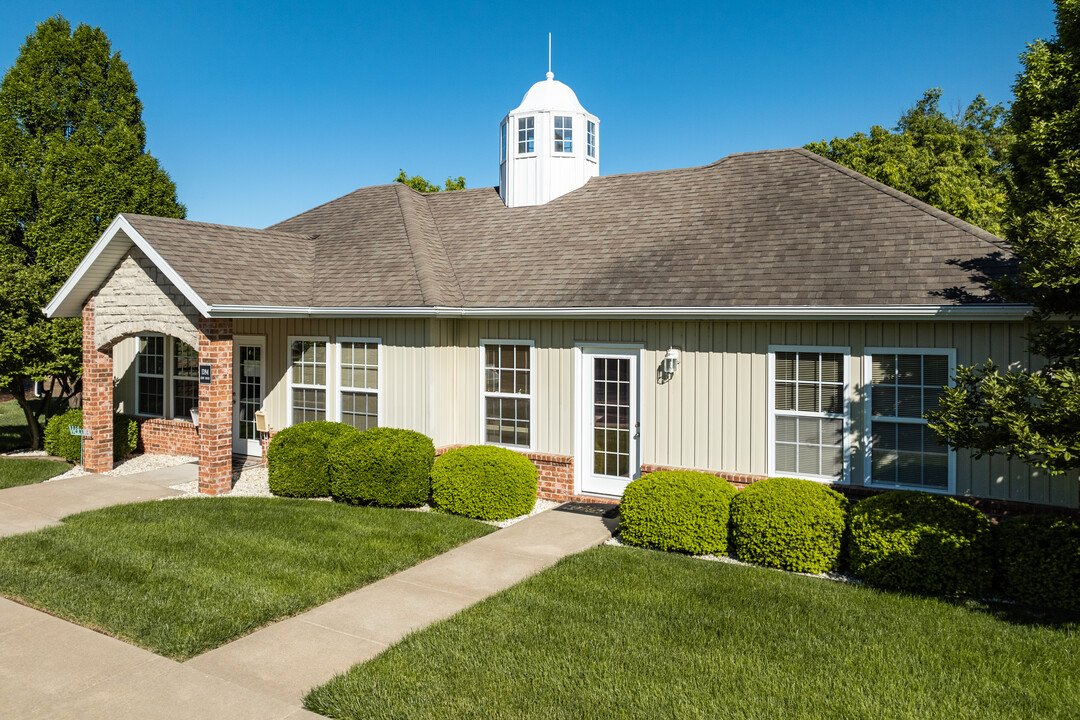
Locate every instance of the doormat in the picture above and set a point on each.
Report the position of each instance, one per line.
(583, 508)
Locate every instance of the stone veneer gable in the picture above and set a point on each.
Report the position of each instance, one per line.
(138, 298)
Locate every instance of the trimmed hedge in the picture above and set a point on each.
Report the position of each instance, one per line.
(60, 442)
(909, 540)
(677, 510)
(789, 523)
(382, 466)
(297, 464)
(1038, 560)
(484, 482)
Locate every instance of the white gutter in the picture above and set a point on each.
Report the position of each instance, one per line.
(998, 311)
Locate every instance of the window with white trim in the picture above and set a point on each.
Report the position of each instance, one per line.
(904, 385)
(150, 375)
(502, 143)
(508, 394)
(564, 133)
(526, 129)
(307, 379)
(358, 379)
(590, 138)
(185, 379)
(809, 413)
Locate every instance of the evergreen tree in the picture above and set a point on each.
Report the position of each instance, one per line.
(1036, 415)
(72, 156)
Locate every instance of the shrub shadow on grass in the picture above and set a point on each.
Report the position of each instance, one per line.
(1017, 614)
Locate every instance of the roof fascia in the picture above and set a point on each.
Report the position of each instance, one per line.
(121, 223)
(1003, 311)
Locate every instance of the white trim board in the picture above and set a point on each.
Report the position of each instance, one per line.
(1003, 311)
(69, 300)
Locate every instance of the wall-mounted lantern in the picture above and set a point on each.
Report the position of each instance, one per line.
(671, 361)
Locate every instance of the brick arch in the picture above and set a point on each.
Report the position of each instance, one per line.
(138, 298)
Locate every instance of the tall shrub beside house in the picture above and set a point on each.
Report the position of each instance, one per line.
(677, 510)
(790, 524)
(388, 467)
(297, 464)
(1038, 560)
(907, 540)
(484, 482)
(60, 442)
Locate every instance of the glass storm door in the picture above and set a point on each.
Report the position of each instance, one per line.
(248, 378)
(610, 441)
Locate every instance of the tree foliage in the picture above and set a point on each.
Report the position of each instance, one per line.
(1035, 415)
(953, 163)
(72, 156)
(419, 184)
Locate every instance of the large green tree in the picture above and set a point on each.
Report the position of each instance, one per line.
(1036, 415)
(419, 184)
(953, 163)
(72, 156)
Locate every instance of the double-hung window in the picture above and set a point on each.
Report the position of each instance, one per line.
(507, 393)
(809, 412)
(526, 130)
(150, 375)
(590, 138)
(185, 379)
(564, 133)
(358, 381)
(307, 379)
(905, 384)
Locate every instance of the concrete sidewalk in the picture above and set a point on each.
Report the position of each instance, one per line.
(51, 669)
(288, 658)
(32, 507)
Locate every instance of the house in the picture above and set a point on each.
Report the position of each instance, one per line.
(771, 313)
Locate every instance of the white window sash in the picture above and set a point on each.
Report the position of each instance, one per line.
(530, 396)
(327, 411)
(139, 375)
(342, 388)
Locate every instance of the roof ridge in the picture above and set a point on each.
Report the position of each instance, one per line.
(185, 221)
(937, 213)
(460, 297)
(423, 246)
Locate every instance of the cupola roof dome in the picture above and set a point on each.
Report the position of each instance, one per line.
(549, 94)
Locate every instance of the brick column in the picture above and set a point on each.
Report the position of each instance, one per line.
(216, 406)
(97, 398)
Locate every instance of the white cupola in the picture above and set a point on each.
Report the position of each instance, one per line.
(549, 145)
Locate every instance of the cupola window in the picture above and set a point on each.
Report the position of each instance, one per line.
(525, 135)
(502, 143)
(564, 134)
(590, 139)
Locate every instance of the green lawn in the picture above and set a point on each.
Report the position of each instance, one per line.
(626, 633)
(14, 435)
(182, 576)
(24, 471)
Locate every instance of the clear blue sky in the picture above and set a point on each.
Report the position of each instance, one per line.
(260, 110)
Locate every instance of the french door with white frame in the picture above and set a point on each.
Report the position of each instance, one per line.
(249, 392)
(609, 419)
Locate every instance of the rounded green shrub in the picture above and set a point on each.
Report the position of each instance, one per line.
(1038, 560)
(789, 523)
(908, 540)
(484, 482)
(389, 467)
(677, 510)
(297, 464)
(60, 442)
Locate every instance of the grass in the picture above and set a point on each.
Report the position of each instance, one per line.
(14, 434)
(626, 633)
(180, 577)
(24, 471)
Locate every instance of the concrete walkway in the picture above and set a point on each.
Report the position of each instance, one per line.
(32, 507)
(287, 659)
(52, 669)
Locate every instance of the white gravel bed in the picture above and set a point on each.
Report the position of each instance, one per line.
(26, 453)
(252, 482)
(132, 465)
(834, 576)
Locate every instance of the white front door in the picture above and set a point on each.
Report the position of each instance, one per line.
(249, 391)
(609, 446)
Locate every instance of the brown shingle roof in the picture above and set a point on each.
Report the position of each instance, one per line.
(771, 228)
